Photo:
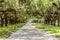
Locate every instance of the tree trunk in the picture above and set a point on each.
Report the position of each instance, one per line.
(2, 23)
(15, 18)
(58, 23)
(54, 22)
(6, 21)
(51, 22)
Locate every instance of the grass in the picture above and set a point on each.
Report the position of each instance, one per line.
(51, 29)
(5, 31)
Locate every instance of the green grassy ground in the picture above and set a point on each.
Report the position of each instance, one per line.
(51, 29)
(5, 31)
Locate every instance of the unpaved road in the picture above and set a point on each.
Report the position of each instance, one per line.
(29, 32)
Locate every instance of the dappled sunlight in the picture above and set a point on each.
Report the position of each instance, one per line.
(30, 19)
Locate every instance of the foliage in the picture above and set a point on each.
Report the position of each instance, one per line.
(26, 9)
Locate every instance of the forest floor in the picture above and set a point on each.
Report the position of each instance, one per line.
(29, 32)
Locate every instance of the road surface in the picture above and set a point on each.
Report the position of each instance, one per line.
(29, 32)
